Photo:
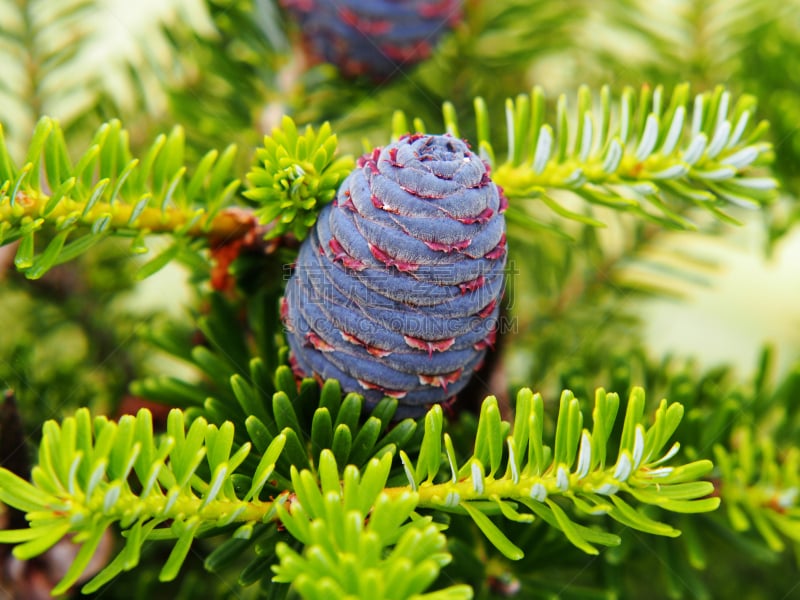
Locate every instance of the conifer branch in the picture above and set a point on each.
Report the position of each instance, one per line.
(108, 192)
(359, 541)
(576, 469)
(70, 207)
(94, 473)
(650, 155)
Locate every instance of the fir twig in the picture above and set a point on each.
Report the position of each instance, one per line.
(650, 155)
(83, 484)
(93, 473)
(107, 191)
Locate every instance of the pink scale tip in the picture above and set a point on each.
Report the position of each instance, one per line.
(429, 346)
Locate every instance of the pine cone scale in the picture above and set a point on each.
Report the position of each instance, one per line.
(367, 319)
(377, 249)
(363, 289)
(398, 196)
(394, 287)
(474, 239)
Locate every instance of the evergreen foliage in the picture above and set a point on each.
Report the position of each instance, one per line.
(93, 473)
(185, 446)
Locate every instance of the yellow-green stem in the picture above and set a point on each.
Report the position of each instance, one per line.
(225, 225)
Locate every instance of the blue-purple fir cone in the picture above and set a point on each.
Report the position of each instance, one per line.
(396, 291)
(373, 37)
